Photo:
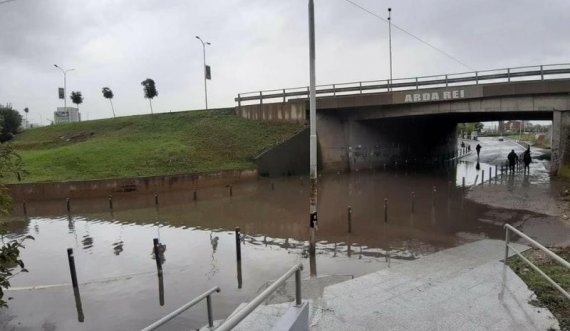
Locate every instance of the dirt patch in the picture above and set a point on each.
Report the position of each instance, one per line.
(77, 137)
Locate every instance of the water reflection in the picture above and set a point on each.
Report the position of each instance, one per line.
(239, 274)
(201, 239)
(213, 265)
(118, 247)
(160, 289)
(78, 305)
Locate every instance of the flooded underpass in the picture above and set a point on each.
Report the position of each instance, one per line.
(395, 216)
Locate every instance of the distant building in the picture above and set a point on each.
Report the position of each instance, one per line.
(63, 115)
(512, 126)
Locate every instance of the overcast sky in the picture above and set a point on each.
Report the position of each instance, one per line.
(256, 44)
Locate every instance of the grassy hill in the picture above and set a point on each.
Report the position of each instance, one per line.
(145, 145)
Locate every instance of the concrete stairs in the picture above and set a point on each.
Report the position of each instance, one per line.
(455, 289)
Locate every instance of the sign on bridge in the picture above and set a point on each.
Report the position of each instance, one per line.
(434, 96)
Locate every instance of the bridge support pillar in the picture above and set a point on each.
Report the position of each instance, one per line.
(560, 144)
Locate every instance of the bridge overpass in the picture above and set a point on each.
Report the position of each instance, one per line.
(369, 124)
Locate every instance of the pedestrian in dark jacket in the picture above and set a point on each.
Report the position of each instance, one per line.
(527, 160)
(513, 159)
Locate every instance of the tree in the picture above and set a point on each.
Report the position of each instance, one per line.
(149, 91)
(10, 164)
(11, 122)
(76, 98)
(470, 127)
(108, 94)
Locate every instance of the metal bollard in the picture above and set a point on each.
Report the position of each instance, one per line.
(24, 208)
(231, 190)
(298, 298)
(385, 210)
(157, 255)
(463, 183)
(238, 244)
(490, 175)
(68, 203)
(349, 215)
(413, 196)
(110, 202)
(156, 198)
(434, 191)
(71, 260)
(195, 196)
(482, 177)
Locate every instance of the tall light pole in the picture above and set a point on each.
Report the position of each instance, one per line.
(204, 43)
(64, 71)
(390, 41)
(313, 132)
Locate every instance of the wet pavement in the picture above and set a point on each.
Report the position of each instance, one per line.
(119, 287)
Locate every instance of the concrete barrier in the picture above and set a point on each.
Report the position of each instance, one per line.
(105, 187)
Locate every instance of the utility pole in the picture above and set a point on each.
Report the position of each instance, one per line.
(390, 42)
(313, 130)
(204, 44)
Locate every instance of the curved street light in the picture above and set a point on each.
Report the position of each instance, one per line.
(64, 71)
(204, 44)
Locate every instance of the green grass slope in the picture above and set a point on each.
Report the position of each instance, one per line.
(145, 145)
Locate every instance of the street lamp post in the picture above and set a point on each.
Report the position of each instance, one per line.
(204, 43)
(390, 41)
(64, 71)
(313, 135)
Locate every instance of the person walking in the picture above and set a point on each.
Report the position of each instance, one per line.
(513, 158)
(527, 160)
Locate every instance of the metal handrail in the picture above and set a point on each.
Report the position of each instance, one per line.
(411, 82)
(234, 319)
(206, 295)
(539, 246)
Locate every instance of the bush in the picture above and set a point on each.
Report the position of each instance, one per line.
(11, 121)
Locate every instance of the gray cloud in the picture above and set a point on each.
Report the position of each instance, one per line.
(256, 44)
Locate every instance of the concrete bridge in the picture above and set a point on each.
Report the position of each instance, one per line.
(369, 124)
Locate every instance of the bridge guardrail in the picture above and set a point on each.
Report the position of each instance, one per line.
(540, 72)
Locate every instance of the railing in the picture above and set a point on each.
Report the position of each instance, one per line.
(206, 295)
(234, 319)
(539, 246)
(487, 76)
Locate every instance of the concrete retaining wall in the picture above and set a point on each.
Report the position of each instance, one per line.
(290, 158)
(104, 187)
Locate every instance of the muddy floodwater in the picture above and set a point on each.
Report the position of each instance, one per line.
(118, 284)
